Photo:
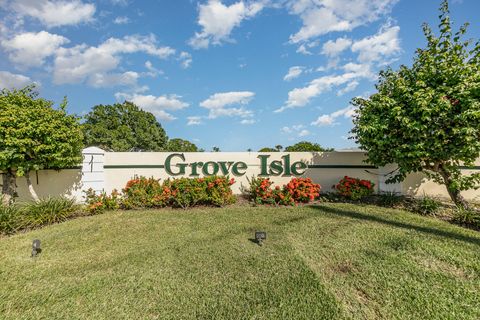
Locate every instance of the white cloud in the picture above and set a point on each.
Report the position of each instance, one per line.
(31, 49)
(298, 130)
(152, 71)
(157, 105)
(83, 63)
(323, 16)
(218, 20)
(128, 78)
(293, 73)
(217, 103)
(348, 88)
(333, 48)
(55, 13)
(10, 80)
(375, 48)
(248, 121)
(329, 119)
(299, 97)
(304, 133)
(121, 20)
(185, 59)
(194, 121)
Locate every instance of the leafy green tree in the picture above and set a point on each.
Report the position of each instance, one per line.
(279, 147)
(305, 146)
(427, 117)
(34, 136)
(215, 149)
(180, 145)
(267, 149)
(123, 127)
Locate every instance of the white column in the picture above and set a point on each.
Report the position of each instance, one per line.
(93, 175)
(385, 173)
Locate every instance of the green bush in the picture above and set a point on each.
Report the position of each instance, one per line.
(218, 190)
(426, 205)
(47, 211)
(467, 216)
(9, 216)
(97, 203)
(390, 199)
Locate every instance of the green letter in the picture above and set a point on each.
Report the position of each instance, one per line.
(180, 165)
(298, 165)
(263, 164)
(225, 166)
(276, 168)
(286, 165)
(215, 168)
(237, 167)
(195, 166)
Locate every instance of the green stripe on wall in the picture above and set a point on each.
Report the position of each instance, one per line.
(135, 166)
(340, 166)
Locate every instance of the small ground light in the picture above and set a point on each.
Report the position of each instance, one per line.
(260, 236)
(36, 249)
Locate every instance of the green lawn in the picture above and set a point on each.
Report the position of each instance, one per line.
(321, 262)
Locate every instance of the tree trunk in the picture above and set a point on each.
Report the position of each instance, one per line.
(8, 188)
(454, 193)
(30, 187)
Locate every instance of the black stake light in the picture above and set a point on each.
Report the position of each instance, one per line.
(36, 249)
(260, 236)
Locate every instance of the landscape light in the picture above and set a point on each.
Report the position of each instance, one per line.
(36, 249)
(260, 236)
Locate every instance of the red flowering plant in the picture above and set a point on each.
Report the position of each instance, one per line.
(260, 191)
(212, 190)
(298, 190)
(354, 188)
(97, 203)
(303, 189)
(142, 192)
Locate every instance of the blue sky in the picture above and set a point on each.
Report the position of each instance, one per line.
(233, 74)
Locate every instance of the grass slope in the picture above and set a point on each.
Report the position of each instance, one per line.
(322, 262)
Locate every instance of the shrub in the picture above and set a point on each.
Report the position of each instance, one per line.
(354, 188)
(143, 193)
(260, 191)
(390, 199)
(97, 203)
(297, 190)
(302, 189)
(426, 205)
(218, 191)
(47, 211)
(9, 216)
(185, 192)
(467, 216)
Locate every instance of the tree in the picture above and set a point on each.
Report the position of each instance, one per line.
(305, 146)
(123, 127)
(215, 149)
(34, 136)
(267, 149)
(427, 117)
(279, 147)
(180, 145)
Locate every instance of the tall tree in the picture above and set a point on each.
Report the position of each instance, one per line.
(305, 146)
(180, 145)
(34, 136)
(123, 127)
(427, 117)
